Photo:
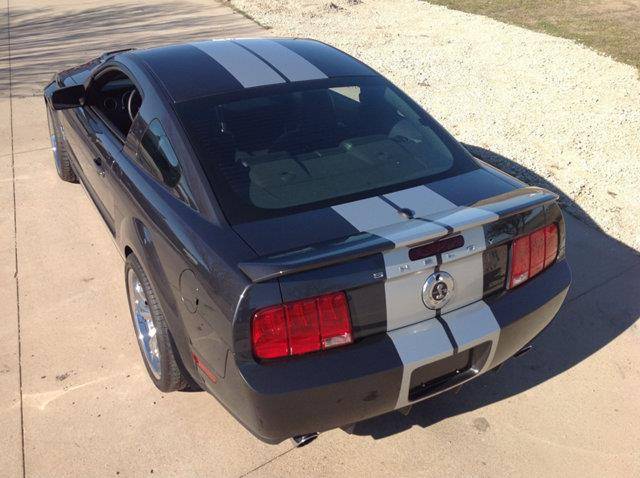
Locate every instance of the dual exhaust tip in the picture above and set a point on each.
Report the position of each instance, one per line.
(303, 440)
(523, 351)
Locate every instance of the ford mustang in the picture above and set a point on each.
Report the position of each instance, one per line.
(300, 238)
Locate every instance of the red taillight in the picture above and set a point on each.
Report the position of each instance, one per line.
(300, 327)
(303, 326)
(520, 261)
(335, 325)
(537, 252)
(269, 333)
(551, 240)
(532, 253)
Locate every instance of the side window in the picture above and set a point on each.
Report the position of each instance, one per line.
(157, 156)
(115, 97)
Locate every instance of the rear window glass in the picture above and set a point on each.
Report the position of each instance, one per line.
(287, 149)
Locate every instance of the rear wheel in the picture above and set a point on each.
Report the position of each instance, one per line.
(60, 153)
(155, 342)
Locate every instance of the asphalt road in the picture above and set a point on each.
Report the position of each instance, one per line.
(74, 396)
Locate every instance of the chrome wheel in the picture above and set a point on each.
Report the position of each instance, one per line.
(56, 154)
(143, 321)
(54, 144)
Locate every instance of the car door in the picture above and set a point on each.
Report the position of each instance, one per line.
(94, 147)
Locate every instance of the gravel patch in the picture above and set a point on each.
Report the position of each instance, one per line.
(545, 109)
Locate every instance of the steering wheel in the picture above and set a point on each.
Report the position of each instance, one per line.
(133, 103)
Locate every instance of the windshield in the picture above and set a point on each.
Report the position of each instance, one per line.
(294, 149)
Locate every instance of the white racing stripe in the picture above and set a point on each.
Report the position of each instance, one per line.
(473, 325)
(286, 61)
(418, 340)
(368, 214)
(245, 67)
(405, 278)
(426, 342)
(421, 200)
(418, 345)
(467, 269)
(466, 217)
(410, 232)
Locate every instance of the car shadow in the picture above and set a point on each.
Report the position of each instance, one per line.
(588, 321)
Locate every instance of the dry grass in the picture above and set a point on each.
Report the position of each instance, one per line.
(610, 26)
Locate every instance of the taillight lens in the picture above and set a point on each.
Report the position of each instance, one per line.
(335, 324)
(520, 260)
(537, 240)
(301, 327)
(269, 333)
(532, 253)
(551, 244)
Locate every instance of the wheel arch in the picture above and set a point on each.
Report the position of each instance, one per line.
(134, 237)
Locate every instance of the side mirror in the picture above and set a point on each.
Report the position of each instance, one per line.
(68, 97)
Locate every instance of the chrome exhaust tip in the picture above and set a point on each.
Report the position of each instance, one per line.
(303, 440)
(523, 351)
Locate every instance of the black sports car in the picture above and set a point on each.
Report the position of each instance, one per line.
(301, 239)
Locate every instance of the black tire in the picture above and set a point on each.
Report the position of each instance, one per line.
(171, 376)
(60, 152)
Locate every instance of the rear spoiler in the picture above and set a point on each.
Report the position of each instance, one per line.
(410, 232)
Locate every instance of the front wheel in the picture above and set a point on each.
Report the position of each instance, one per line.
(156, 345)
(60, 153)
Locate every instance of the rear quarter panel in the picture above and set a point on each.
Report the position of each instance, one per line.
(169, 238)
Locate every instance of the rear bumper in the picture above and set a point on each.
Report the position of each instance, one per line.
(382, 373)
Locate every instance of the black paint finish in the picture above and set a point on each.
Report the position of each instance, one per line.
(286, 233)
(468, 188)
(234, 272)
(317, 392)
(175, 66)
(368, 308)
(343, 276)
(494, 265)
(331, 61)
(315, 256)
(524, 311)
(511, 305)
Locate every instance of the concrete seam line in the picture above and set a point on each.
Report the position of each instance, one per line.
(591, 289)
(266, 462)
(15, 235)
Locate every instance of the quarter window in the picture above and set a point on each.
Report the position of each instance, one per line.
(157, 156)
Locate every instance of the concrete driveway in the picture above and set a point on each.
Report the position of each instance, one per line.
(74, 396)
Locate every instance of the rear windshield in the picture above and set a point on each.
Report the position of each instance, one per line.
(281, 150)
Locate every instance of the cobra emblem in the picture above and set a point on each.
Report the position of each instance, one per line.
(438, 290)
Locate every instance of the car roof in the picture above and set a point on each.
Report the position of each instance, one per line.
(212, 67)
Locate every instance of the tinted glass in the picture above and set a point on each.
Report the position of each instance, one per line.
(282, 149)
(157, 156)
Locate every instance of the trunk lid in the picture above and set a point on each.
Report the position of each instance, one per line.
(394, 225)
